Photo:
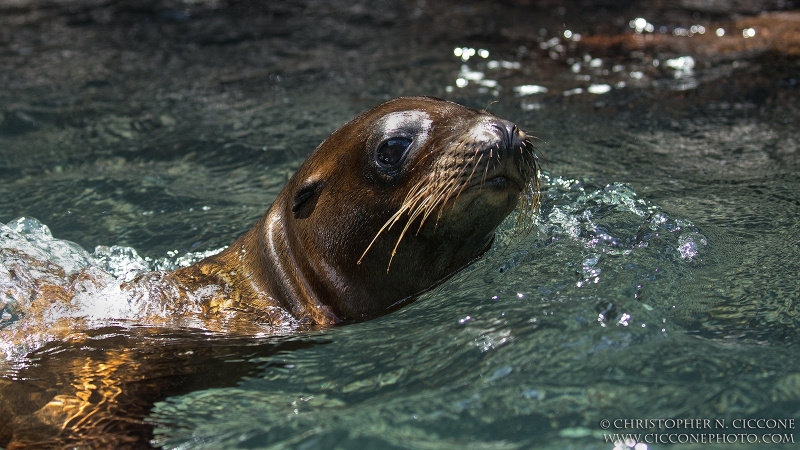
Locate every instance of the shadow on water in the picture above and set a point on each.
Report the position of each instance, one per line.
(97, 392)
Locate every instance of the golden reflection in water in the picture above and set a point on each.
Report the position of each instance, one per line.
(97, 392)
(86, 410)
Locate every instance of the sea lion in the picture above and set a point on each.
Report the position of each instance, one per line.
(390, 205)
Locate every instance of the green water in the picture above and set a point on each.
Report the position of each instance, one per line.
(660, 281)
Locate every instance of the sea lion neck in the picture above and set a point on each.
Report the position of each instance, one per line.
(277, 265)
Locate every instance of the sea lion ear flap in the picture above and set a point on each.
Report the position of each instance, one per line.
(305, 199)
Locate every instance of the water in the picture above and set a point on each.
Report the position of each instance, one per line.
(660, 281)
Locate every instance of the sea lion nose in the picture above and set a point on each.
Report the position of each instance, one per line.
(510, 134)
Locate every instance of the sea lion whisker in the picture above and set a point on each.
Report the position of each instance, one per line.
(386, 225)
(404, 207)
(414, 191)
(414, 203)
(528, 204)
(444, 195)
(529, 200)
(409, 208)
(411, 219)
(466, 182)
(533, 170)
(465, 166)
(441, 198)
(485, 173)
(420, 193)
(424, 208)
(456, 185)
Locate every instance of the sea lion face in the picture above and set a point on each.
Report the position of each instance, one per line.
(400, 199)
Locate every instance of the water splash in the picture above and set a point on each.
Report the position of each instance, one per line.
(82, 288)
(613, 220)
(34, 238)
(601, 244)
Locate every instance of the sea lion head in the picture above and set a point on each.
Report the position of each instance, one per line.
(395, 202)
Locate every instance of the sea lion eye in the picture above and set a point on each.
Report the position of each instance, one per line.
(391, 151)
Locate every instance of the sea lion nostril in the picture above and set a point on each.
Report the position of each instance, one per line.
(508, 131)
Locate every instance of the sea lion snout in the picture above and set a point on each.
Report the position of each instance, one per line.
(511, 136)
(505, 138)
(497, 155)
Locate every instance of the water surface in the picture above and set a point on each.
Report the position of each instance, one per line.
(660, 281)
